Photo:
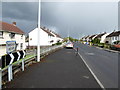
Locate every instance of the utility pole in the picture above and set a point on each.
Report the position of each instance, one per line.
(38, 46)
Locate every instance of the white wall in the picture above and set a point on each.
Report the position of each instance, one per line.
(17, 38)
(33, 38)
(56, 39)
(2, 50)
(114, 38)
(119, 37)
(103, 38)
(44, 38)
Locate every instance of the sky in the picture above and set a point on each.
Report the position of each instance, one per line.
(74, 18)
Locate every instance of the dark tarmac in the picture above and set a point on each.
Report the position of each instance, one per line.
(62, 69)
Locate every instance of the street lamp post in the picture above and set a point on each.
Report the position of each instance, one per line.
(38, 46)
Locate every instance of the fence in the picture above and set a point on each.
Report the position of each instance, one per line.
(19, 59)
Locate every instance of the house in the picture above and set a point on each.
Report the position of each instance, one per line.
(92, 37)
(83, 38)
(99, 36)
(86, 39)
(57, 38)
(10, 32)
(104, 38)
(112, 37)
(47, 37)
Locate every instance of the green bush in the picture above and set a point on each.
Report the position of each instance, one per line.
(96, 41)
(107, 46)
(53, 44)
(116, 42)
(59, 43)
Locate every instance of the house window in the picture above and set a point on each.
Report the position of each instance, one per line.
(21, 46)
(51, 41)
(116, 38)
(1, 34)
(49, 36)
(112, 38)
(22, 36)
(12, 35)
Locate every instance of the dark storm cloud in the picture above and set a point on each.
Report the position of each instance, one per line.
(24, 13)
(80, 18)
(25, 10)
(77, 18)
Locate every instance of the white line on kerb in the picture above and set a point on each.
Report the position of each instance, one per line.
(98, 81)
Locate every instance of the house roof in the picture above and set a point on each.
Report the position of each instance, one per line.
(57, 35)
(100, 35)
(117, 33)
(83, 37)
(86, 37)
(47, 31)
(50, 32)
(10, 28)
(92, 36)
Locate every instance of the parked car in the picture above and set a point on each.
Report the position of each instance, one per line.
(69, 45)
(116, 46)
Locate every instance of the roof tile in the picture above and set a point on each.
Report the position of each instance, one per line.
(10, 28)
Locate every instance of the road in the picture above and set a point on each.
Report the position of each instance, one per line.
(104, 64)
(62, 69)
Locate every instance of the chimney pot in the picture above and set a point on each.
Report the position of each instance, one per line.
(14, 23)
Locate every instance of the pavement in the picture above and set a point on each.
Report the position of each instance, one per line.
(61, 69)
(103, 63)
(109, 50)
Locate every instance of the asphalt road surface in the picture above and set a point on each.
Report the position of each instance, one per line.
(62, 69)
(104, 64)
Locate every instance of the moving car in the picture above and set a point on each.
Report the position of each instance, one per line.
(69, 45)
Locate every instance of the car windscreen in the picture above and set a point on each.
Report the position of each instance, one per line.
(69, 43)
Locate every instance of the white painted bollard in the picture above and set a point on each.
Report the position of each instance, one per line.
(10, 75)
(0, 78)
(49, 49)
(23, 67)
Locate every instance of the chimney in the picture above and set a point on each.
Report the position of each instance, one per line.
(14, 23)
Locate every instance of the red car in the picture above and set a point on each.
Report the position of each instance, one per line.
(116, 46)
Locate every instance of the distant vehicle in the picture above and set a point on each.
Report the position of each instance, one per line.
(116, 46)
(69, 45)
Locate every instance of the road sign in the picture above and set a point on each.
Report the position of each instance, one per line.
(12, 57)
(10, 46)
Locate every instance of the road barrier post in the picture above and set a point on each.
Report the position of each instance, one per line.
(10, 76)
(23, 65)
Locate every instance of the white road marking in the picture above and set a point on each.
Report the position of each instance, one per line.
(98, 81)
(87, 77)
(90, 53)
